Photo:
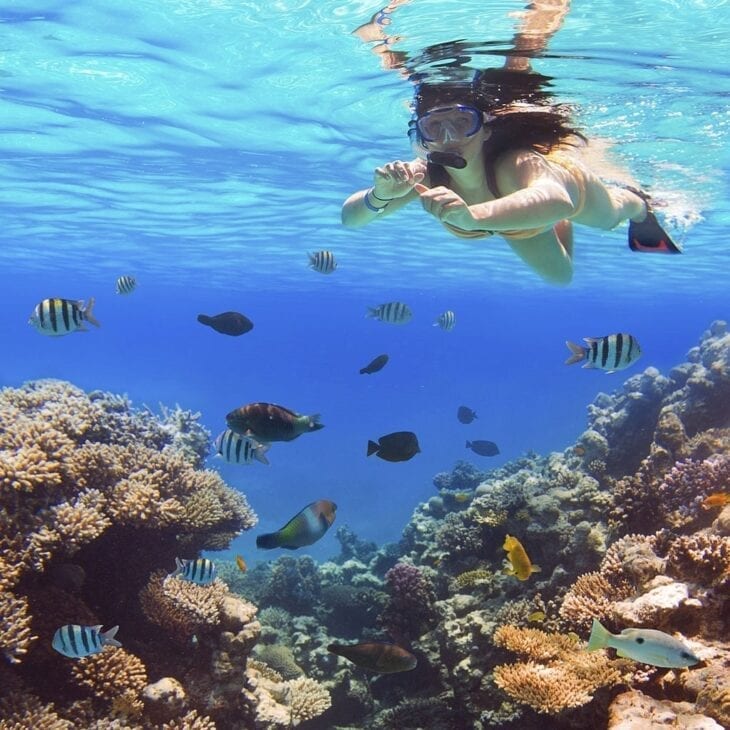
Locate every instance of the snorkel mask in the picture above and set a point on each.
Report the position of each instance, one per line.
(444, 126)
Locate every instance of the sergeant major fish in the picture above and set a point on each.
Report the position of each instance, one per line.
(305, 528)
(447, 321)
(322, 261)
(56, 317)
(237, 449)
(200, 571)
(126, 284)
(643, 645)
(76, 641)
(269, 422)
(391, 312)
(609, 353)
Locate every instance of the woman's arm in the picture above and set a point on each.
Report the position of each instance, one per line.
(392, 189)
(539, 195)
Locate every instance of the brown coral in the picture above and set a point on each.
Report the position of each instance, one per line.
(181, 607)
(307, 699)
(16, 636)
(110, 673)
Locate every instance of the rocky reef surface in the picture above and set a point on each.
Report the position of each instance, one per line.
(617, 525)
(97, 499)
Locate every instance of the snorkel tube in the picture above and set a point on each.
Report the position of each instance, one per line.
(447, 159)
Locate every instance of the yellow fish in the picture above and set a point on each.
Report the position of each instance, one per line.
(536, 616)
(718, 499)
(520, 565)
(241, 563)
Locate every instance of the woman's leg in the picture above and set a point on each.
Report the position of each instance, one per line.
(605, 207)
(549, 254)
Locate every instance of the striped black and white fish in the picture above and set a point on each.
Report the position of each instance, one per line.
(609, 353)
(322, 261)
(55, 317)
(391, 312)
(238, 449)
(447, 321)
(200, 571)
(126, 284)
(76, 641)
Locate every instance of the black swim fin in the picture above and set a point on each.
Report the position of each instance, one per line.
(649, 236)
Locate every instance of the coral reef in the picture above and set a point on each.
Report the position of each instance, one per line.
(96, 501)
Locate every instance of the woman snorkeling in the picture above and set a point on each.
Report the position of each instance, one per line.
(494, 159)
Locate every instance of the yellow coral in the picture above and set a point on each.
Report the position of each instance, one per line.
(591, 596)
(191, 721)
(110, 673)
(557, 673)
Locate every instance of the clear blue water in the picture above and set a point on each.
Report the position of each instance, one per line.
(205, 146)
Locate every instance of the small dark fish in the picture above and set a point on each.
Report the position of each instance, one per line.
(126, 284)
(377, 364)
(268, 422)
(465, 414)
(609, 353)
(376, 656)
(397, 446)
(76, 641)
(228, 323)
(483, 448)
(304, 528)
(68, 576)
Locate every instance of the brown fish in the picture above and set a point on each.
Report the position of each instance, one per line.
(377, 364)
(241, 563)
(227, 323)
(269, 422)
(397, 446)
(376, 656)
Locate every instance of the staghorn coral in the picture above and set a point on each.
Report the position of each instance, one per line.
(555, 673)
(110, 673)
(181, 607)
(307, 699)
(16, 635)
(190, 721)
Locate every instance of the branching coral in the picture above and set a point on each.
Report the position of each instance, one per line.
(555, 674)
(110, 673)
(701, 558)
(307, 699)
(181, 607)
(410, 610)
(16, 636)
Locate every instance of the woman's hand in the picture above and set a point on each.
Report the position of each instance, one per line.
(396, 179)
(445, 205)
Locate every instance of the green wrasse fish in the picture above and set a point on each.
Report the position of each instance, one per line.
(376, 656)
(268, 422)
(643, 645)
(304, 529)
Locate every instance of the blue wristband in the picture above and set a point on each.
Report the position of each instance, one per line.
(370, 206)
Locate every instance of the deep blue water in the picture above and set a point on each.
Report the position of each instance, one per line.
(205, 147)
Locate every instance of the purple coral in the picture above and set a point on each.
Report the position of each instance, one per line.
(689, 482)
(410, 610)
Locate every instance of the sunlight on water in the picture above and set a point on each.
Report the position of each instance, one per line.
(223, 129)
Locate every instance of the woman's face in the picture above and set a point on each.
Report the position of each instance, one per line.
(455, 128)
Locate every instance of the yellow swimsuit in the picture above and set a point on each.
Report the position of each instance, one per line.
(555, 158)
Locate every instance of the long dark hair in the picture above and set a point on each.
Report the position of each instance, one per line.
(504, 94)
